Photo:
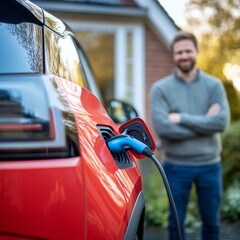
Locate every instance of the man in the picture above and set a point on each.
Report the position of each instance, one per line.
(189, 109)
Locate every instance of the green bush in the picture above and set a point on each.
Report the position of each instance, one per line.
(231, 154)
(157, 203)
(231, 202)
(231, 172)
(233, 99)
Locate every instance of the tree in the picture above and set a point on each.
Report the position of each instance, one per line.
(216, 23)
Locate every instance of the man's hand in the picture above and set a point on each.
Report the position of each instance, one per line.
(174, 117)
(214, 110)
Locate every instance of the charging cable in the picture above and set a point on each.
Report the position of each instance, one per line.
(125, 142)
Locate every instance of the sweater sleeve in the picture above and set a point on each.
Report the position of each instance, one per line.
(205, 124)
(164, 127)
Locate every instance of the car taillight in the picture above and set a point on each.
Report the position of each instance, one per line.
(24, 111)
(32, 119)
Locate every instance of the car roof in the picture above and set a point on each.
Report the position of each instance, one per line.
(17, 11)
(24, 10)
(32, 8)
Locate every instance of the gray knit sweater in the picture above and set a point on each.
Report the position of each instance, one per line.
(195, 140)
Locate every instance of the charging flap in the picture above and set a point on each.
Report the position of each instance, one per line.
(138, 129)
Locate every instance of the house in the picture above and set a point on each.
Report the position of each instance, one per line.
(127, 43)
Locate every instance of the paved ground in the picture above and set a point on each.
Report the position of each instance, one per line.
(228, 232)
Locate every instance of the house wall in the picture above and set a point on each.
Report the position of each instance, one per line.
(158, 64)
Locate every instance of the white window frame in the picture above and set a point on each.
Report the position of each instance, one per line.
(120, 32)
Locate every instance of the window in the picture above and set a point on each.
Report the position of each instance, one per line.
(63, 59)
(99, 48)
(122, 52)
(129, 68)
(21, 48)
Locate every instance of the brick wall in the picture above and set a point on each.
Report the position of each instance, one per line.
(158, 64)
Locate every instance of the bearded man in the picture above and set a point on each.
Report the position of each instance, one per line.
(189, 111)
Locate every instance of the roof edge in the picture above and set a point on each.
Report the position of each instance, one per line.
(160, 19)
(86, 8)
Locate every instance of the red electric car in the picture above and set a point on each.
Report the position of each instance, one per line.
(58, 179)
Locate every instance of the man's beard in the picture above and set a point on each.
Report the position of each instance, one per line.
(188, 68)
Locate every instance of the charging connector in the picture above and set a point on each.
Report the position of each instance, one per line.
(126, 142)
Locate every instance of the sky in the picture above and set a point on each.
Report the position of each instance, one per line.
(175, 9)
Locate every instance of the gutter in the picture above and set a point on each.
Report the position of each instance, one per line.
(92, 9)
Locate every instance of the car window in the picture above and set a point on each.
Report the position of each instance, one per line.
(62, 58)
(20, 48)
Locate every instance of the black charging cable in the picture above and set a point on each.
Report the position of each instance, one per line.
(147, 152)
(126, 142)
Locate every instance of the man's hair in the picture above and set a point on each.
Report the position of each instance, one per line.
(185, 36)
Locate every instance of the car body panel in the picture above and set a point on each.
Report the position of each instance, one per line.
(73, 188)
(109, 190)
(56, 199)
(39, 198)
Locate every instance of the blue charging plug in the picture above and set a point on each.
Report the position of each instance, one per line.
(126, 142)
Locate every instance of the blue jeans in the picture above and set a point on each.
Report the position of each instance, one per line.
(208, 180)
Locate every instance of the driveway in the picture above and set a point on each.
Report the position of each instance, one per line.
(228, 232)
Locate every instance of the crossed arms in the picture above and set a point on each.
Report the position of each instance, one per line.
(180, 126)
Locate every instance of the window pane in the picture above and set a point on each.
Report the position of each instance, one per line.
(129, 45)
(129, 75)
(20, 48)
(99, 47)
(129, 67)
